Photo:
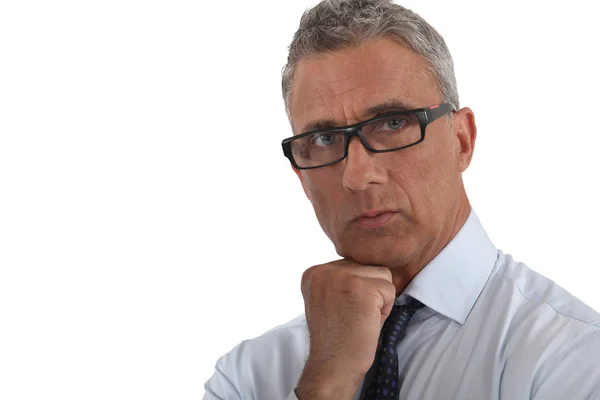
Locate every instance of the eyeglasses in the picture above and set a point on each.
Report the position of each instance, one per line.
(390, 132)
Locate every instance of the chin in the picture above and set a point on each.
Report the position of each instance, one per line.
(388, 251)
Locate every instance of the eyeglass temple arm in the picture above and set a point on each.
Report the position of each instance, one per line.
(436, 112)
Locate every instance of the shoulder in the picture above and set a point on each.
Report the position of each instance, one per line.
(269, 365)
(539, 295)
(543, 327)
(280, 341)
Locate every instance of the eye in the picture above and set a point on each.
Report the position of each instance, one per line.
(393, 124)
(324, 139)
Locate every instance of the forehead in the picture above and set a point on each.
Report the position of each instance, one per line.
(342, 86)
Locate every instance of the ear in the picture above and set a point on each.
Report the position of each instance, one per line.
(465, 131)
(300, 176)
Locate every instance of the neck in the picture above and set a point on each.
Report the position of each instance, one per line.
(402, 275)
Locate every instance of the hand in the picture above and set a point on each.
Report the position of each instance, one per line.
(346, 304)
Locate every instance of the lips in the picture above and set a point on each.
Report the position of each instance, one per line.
(375, 218)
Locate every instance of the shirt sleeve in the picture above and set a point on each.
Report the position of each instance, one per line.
(574, 376)
(220, 386)
(292, 395)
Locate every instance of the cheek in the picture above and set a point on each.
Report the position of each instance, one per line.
(324, 196)
(439, 178)
(425, 175)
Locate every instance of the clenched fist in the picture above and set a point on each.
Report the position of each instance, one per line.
(346, 304)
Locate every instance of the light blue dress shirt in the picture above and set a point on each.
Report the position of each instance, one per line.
(491, 328)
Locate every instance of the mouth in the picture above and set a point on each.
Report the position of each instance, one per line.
(375, 219)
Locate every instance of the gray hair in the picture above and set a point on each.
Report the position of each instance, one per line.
(336, 24)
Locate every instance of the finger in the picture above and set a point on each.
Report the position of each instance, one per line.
(385, 292)
(374, 272)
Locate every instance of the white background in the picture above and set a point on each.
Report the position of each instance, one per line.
(149, 221)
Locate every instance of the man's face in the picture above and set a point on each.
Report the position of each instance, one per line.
(420, 187)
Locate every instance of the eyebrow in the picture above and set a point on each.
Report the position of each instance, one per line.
(394, 105)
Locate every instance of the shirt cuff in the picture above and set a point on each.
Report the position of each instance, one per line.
(292, 396)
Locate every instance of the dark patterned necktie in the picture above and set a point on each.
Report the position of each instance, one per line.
(384, 384)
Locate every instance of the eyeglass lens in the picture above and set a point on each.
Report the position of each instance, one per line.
(387, 133)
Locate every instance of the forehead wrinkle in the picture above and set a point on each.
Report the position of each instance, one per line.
(335, 113)
(353, 109)
(358, 108)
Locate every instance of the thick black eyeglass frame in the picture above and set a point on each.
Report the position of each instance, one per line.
(426, 115)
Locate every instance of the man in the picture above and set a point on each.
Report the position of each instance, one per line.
(421, 305)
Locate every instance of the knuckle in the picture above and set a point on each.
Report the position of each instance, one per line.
(315, 275)
(306, 274)
(353, 284)
(386, 272)
(306, 278)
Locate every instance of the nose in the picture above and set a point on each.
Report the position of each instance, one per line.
(361, 167)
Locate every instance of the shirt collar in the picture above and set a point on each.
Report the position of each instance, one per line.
(451, 283)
